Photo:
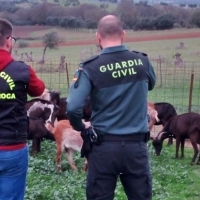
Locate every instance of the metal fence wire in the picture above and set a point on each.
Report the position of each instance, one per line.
(175, 84)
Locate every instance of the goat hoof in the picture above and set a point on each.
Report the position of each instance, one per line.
(192, 163)
(169, 144)
(59, 169)
(198, 163)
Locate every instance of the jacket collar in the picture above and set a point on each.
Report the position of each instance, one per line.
(5, 59)
(114, 49)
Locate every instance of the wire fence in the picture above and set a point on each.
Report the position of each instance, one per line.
(176, 84)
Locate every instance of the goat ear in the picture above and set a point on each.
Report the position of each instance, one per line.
(58, 91)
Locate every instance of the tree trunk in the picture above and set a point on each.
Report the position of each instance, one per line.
(45, 48)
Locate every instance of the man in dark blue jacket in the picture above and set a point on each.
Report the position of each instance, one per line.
(117, 82)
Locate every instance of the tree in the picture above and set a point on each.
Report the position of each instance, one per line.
(127, 12)
(53, 21)
(50, 40)
(103, 6)
(91, 24)
(196, 18)
(40, 13)
(142, 3)
(163, 4)
(165, 21)
(147, 23)
(89, 12)
(192, 5)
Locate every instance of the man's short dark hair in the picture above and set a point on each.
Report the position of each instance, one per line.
(5, 30)
(110, 26)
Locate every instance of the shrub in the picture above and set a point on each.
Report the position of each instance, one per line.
(196, 18)
(165, 21)
(23, 44)
(147, 23)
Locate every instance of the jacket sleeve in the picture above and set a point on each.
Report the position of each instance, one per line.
(36, 86)
(152, 77)
(76, 100)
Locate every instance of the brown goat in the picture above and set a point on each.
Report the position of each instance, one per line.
(181, 127)
(153, 114)
(66, 139)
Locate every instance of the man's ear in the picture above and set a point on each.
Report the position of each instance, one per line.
(122, 36)
(8, 43)
(98, 37)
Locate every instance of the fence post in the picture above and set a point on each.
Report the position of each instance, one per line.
(67, 75)
(191, 89)
(160, 69)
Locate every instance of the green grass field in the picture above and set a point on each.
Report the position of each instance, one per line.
(173, 179)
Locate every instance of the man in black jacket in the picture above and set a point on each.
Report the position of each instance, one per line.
(16, 81)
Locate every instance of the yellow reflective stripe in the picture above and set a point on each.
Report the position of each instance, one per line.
(7, 96)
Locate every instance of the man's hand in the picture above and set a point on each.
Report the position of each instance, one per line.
(87, 124)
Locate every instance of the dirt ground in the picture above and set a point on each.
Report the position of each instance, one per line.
(131, 39)
(26, 30)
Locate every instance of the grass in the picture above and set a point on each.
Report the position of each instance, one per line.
(163, 48)
(173, 179)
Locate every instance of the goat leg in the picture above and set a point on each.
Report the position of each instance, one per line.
(196, 151)
(198, 162)
(39, 145)
(177, 146)
(58, 158)
(85, 168)
(170, 141)
(182, 148)
(70, 158)
(35, 146)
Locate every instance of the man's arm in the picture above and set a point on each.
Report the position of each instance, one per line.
(152, 77)
(36, 86)
(76, 100)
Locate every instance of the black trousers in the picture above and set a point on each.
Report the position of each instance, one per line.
(127, 160)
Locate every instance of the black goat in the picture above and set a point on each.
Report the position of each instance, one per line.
(181, 127)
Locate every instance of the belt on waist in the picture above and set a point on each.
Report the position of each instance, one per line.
(142, 137)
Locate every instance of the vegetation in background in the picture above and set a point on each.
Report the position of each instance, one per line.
(22, 44)
(73, 14)
(196, 18)
(50, 40)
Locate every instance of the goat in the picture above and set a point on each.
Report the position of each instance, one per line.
(54, 97)
(153, 114)
(165, 111)
(37, 133)
(181, 127)
(40, 111)
(66, 139)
